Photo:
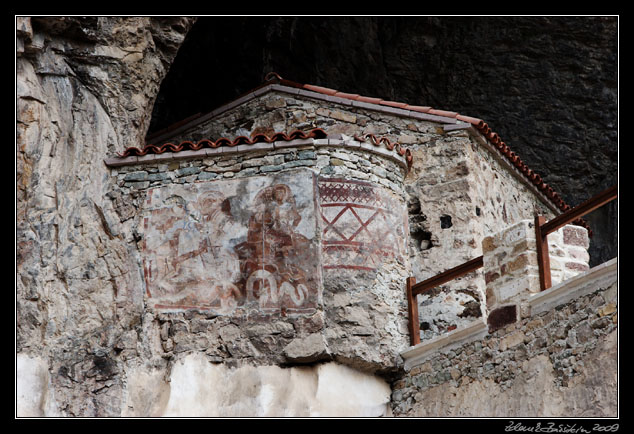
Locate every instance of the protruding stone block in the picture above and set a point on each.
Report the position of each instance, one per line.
(511, 269)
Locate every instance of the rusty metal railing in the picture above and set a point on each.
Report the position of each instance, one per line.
(542, 229)
(414, 289)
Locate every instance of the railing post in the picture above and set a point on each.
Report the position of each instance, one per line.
(412, 308)
(543, 258)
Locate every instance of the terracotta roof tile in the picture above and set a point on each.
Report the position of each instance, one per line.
(369, 100)
(471, 120)
(316, 133)
(444, 113)
(320, 89)
(418, 108)
(384, 141)
(352, 96)
(393, 104)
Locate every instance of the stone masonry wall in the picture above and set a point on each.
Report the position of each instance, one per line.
(457, 191)
(465, 193)
(561, 362)
(510, 266)
(361, 312)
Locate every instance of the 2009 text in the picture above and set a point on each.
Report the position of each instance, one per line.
(552, 427)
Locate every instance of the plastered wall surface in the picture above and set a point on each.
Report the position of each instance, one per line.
(199, 389)
(248, 244)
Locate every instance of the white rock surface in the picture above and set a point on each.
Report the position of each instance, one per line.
(198, 388)
(33, 391)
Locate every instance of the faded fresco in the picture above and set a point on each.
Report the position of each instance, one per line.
(363, 225)
(233, 246)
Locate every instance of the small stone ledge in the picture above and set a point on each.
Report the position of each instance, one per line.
(118, 162)
(416, 355)
(206, 152)
(347, 142)
(600, 276)
(456, 127)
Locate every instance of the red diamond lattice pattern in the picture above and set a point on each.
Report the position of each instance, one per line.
(365, 227)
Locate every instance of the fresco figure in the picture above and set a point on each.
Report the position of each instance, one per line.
(201, 253)
(194, 265)
(269, 255)
(220, 263)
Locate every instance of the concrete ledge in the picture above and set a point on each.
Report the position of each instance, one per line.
(182, 155)
(280, 144)
(259, 146)
(126, 161)
(416, 355)
(262, 90)
(210, 152)
(149, 158)
(351, 144)
(600, 276)
(287, 89)
(455, 127)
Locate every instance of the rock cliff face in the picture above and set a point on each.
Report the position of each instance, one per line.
(547, 85)
(86, 88)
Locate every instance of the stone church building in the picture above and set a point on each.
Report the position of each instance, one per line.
(252, 261)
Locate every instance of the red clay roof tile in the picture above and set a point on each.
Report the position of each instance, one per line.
(369, 100)
(320, 89)
(393, 104)
(444, 113)
(473, 121)
(316, 133)
(378, 141)
(352, 96)
(418, 108)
